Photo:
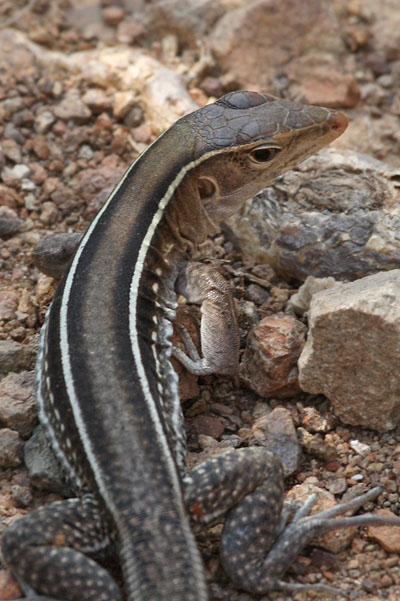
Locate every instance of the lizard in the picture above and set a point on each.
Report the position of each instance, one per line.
(108, 396)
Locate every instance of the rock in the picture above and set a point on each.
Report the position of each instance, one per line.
(325, 86)
(247, 40)
(314, 422)
(45, 289)
(209, 425)
(338, 486)
(299, 303)
(128, 31)
(44, 120)
(49, 213)
(276, 432)
(163, 92)
(8, 225)
(15, 356)
(335, 215)
(72, 108)
(269, 362)
(44, 470)
(15, 56)
(315, 445)
(12, 150)
(360, 448)
(112, 15)
(91, 182)
(52, 255)
(11, 175)
(10, 448)
(190, 20)
(123, 102)
(8, 304)
(40, 147)
(387, 536)
(10, 198)
(21, 495)
(24, 117)
(97, 100)
(17, 402)
(334, 541)
(133, 117)
(350, 355)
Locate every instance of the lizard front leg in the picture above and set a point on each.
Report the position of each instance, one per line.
(257, 547)
(48, 552)
(204, 285)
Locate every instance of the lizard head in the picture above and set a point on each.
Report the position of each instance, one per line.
(249, 139)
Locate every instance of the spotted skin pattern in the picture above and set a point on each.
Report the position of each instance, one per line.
(108, 395)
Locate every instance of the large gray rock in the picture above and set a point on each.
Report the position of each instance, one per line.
(337, 214)
(352, 354)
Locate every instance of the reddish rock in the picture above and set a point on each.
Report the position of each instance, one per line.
(142, 133)
(40, 147)
(207, 424)
(258, 38)
(269, 363)
(91, 181)
(387, 536)
(10, 198)
(326, 87)
(39, 173)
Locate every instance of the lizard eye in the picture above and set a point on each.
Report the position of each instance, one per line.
(264, 154)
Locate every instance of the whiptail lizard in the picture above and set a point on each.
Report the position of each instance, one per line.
(108, 395)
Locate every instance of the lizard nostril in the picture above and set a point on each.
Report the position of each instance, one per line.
(338, 122)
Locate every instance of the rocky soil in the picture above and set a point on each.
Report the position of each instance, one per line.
(85, 86)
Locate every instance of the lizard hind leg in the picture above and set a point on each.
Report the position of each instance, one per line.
(257, 546)
(295, 536)
(48, 552)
